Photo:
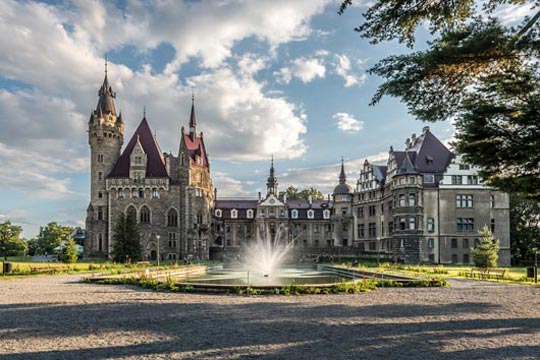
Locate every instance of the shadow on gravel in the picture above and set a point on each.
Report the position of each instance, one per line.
(272, 330)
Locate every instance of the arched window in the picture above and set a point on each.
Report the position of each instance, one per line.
(145, 215)
(326, 214)
(294, 214)
(172, 218)
(234, 213)
(131, 212)
(199, 217)
(310, 214)
(249, 214)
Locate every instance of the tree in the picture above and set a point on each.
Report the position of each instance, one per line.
(486, 253)
(52, 236)
(127, 239)
(10, 243)
(69, 252)
(476, 70)
(524, 227)
(293, 194)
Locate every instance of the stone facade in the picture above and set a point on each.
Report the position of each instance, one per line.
(171, 196)
(423, 205)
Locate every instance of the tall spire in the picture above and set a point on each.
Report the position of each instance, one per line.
(271, 182)
(192, 119)
(342, 176)
(106, 95)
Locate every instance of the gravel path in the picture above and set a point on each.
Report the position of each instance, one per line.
(57, 317)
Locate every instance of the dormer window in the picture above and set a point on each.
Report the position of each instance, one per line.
(249, 214)
(294, 214)
(310, 214)
(326, 214)
(218, 212)
(234, 214)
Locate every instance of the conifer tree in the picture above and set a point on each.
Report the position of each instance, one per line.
(69, 252)
(486, 253)
(126, 239)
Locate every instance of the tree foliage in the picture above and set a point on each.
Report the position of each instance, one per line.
(10, 242)
(486, 253)
(477, 71)
(50, 237)
(126, 239)
(524, 227)
(69, 253)
(293, 194)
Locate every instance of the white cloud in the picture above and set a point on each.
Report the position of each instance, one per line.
(347, 123)
(343, 69)
(513, 14)
(206, 29)
(305, 69)
(230, 187)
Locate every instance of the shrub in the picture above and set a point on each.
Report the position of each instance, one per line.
(486, 253)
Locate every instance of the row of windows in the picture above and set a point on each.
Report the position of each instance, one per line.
(465, 244)
(458, 179)
(136, 193)
(272, 213)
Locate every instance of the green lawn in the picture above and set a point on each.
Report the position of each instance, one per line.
(513, 274)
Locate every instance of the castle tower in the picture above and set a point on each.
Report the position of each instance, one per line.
(105, 137)
(342, 219)
(196, 197)
(271, 182)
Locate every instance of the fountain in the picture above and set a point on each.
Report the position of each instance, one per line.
(268, 252)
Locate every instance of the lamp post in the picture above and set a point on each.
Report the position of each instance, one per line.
(157, 276)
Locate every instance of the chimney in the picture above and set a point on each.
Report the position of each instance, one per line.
(260, 196)
(284, 198)
(407, 144)
(310, 199)
(413, 139)
(425, 129)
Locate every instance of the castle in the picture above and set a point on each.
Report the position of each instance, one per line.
(424, 205)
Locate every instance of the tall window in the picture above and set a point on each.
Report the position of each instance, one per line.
(457, 180)
(372, 210)
(412, 199)
(372, 230)
(453, 243)
(100, 158)
(492, 201)
(155, 193)
(401, 199)
(121, 194)
(431, 243)
(100, 242)
(100, 213)
(472, 180)
(172, 218)
(360, 212)
(430, 225)
(145, 215)
(412, 223)
(100, 175)
(465, 224)
(465, 243)
(492, 225)
(200, 217)
(131, 212)
(464, 201)
(361, 230)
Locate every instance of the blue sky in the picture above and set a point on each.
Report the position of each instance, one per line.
(270, 77)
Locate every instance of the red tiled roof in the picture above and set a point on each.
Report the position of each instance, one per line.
(155, 167)
(195, 148)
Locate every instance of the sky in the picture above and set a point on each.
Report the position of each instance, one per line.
(280, 77)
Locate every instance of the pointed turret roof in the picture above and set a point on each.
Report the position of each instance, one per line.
(192, 118)
(155, 167)
(407, 166)
(343, 187)
(106, 97)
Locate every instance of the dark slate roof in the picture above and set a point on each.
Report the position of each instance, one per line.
(304, 204)
(155, 168)
(407, 166)
(194, 148)
(379, 172)
(106, 99)
(236, 204)
(302, 215)
(431, 155)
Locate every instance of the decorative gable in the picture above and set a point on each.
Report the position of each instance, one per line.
(138, 161)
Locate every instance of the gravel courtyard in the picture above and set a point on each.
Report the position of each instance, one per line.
(58, 317)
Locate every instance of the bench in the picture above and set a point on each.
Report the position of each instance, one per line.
(143, 263)
(48, 270)
(479, 272)
(496, 273)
